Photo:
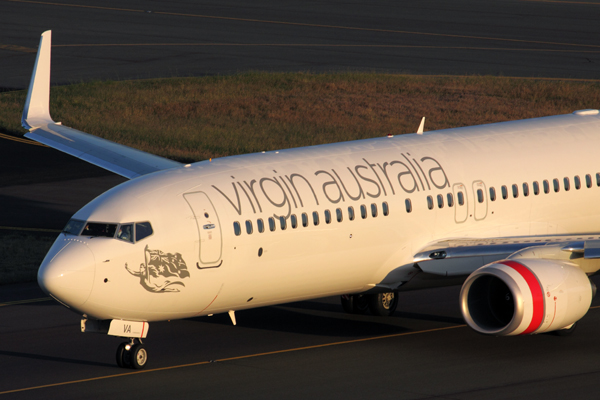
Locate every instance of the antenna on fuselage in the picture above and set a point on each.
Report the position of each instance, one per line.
(421, 126)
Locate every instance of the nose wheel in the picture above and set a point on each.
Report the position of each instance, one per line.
(132, 355)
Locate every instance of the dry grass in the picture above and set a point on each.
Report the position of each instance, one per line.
(22, 254)
(190, 119)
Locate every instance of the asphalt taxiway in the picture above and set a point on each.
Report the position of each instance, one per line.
(299, 350)
(134, 39)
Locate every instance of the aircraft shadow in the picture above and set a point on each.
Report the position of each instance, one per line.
(311, 305)
(308, 319)
(50, 358)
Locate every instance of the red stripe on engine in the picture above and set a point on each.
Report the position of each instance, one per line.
(537, 294)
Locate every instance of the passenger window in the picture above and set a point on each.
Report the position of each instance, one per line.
(556, 185)
(260, 225)
(598, 179)
(351, 213)
(515, 189)
(237, 229)
(327, 217)
(249, 227)
(536, 188)
(272, 224)
(588, 180)
(363, 211)
(125, 233)
(338, 214)
(546, 186)
(480, 195)
(430, 202)
(304, 220)
(374, 210)
(461, 198)
(283, 223)
(450, 200)
(408, 204)
(440, 201)
(577, 182)
(385, 208)
(567, 183)
(294, 221)
(315, 218)
(492, 194)
(504, 192)
(525, 189)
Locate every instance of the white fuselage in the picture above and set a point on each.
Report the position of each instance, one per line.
(194, 212)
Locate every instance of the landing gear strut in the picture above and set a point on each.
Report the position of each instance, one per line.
(132, 354)
(380, 304)
(355, 303)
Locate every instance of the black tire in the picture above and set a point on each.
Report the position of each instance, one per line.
(565, 332)
(138, 356)
(355, 303)
(383, 304)
(122, 356)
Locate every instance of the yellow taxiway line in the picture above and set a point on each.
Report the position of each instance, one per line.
(318, 346)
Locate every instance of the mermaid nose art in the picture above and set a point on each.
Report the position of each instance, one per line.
(67, 272)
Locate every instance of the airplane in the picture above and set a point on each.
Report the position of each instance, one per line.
(507, 209)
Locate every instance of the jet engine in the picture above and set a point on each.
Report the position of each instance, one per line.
(525, 296)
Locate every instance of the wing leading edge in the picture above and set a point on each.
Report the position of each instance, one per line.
(122, 160)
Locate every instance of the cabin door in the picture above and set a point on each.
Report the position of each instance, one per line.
(210, 246)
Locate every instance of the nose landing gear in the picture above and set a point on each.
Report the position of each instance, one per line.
(132, 355)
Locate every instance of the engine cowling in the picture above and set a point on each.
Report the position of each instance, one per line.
(525, 296)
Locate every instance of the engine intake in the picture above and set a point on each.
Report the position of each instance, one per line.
(526, 296)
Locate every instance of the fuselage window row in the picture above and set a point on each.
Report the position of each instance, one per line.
(546, 186)
(293, 219)
(440, 201)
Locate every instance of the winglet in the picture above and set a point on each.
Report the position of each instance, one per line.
(421, 126)
(37, 106)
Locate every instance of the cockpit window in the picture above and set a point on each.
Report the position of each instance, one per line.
(142, 230)
(125, 232)
(74, 227)
(99, 229)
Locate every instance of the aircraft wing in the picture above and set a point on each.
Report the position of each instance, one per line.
(461, 257)
(122, 160)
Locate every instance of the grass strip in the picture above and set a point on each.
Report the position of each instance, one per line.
(191, 119)
(22, 254)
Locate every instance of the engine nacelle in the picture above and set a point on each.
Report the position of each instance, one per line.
(525, 296)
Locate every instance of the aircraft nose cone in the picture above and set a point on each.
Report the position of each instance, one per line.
(67, 272)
